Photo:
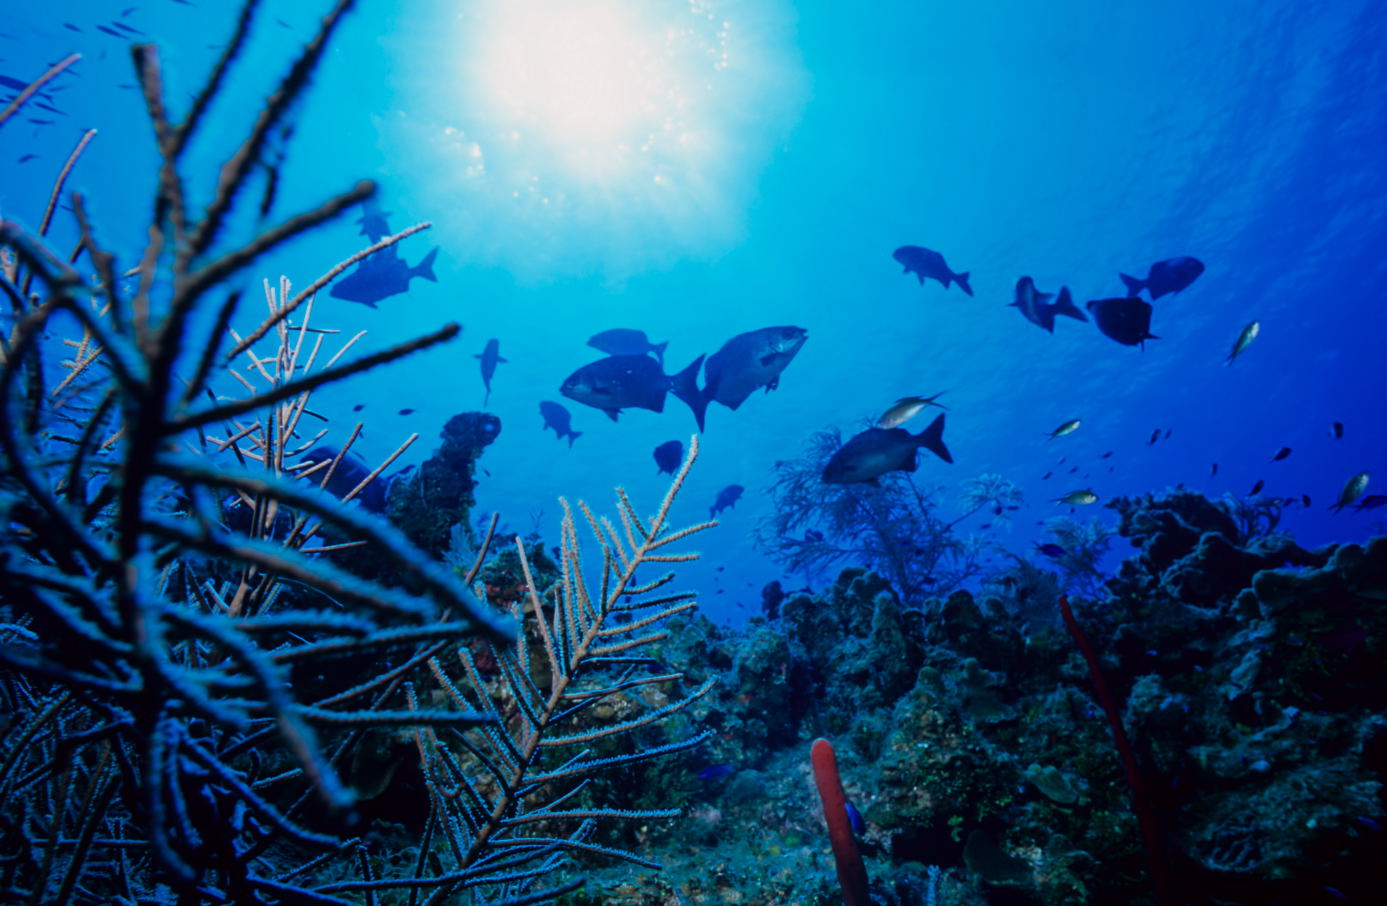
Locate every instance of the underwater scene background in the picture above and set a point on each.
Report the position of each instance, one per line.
(1116, 635)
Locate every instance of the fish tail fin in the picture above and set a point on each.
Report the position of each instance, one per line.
(1066, 306)
(1133, 285)
(486, 398)
(962, 281)
(572, 436)
(425, 268)
(659, 350)
(932, 439)
(685, 386)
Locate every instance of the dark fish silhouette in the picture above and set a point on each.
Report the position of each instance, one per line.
(1034, 308)
(748, 361)
(372, 220)
(1128, 321)
(26, 158)
(1337, 429)
(632, 381)
(923, 262)
(385, 273)
(1169, 276)
(625, 341)
(1257, 487)
(1155, 436)
(381, 276)
(358, 407)
(668, 455)
(1213, 469)
(351, 471)
(112, 32)
(1051, 550)
(1281, 454)
(1046, 476)
(876, 451)
(406, 411)
(1371, 502)
(726, 498)
(491, 357)
(556, 416)
(716, 772)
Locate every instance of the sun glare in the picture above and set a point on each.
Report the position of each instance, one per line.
(615, 130)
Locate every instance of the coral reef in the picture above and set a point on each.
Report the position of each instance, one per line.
(891, 526)
(976, 749)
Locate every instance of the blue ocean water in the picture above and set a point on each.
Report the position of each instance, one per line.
(768, 162)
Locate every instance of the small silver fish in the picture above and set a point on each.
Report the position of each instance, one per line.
(1353, 489)
(1068, 427)
(906, 408)
(1078, 498)
(1249, 333)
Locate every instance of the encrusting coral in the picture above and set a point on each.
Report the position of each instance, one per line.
(175, 729)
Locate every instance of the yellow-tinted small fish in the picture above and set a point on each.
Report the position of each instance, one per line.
(1068, 427)
(906, 408)
(1353, 489)
(1078, 498)
(1244, 340)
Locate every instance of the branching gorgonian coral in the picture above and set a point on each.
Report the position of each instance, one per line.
(893, 528)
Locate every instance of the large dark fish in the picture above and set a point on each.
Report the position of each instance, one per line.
(876, 451)
(491, 357)
(726, 498)
(1128, 321)
(668, 455)
(351, 471)
(626, 341)
(380, 276)
(556, 416)
(748, 361)
(1034, 308)
(633, 381)
(1169, 276)
(923, 262)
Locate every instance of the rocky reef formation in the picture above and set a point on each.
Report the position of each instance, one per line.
(1251, 678)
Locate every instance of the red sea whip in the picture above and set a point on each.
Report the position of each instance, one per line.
(852, 874)
(1141, 799)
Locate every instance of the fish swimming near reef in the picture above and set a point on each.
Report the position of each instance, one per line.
(1353, 489)
(372, 220)
(351, 471)
(923, 262)
(906, 408)
(1128, 320)
(1034, 307)
(1068, 427)
(633, 381)
(726, 499)
(1082, 497)
(491, 357)
(874, 452)
(381, 276)
(625, 341)
(556, 416)
(748, 361)
(668, 455)
(1169, 276)
(385, 273)
(1244, 340)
